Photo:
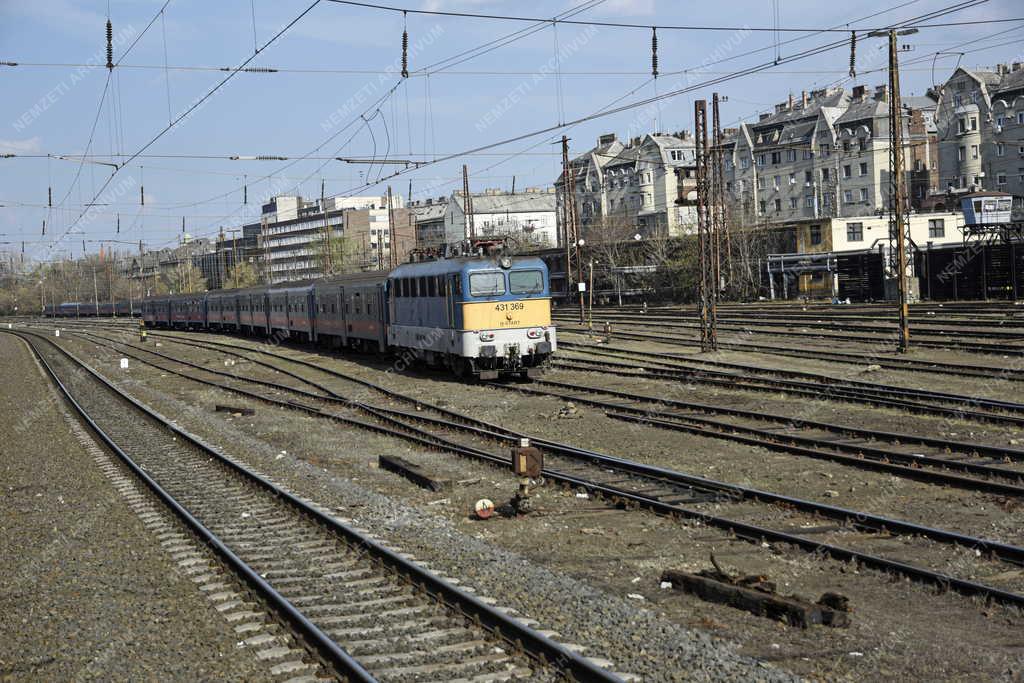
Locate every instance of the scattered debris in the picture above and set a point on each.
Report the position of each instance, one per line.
(234, 410)
(569, 412)
(413, 472)
(872, 368)
(757, 595)
(483, 509)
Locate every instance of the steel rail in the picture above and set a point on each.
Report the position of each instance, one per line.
(879, 458)
(842, 356)
(826, 380)
(328, 651)
(809, 389)
(518, 635)
(1001, 551)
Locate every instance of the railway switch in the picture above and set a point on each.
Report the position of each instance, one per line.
(527, 463)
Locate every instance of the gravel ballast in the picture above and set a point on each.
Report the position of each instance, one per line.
(86, 590)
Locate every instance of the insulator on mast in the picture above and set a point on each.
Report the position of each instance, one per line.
(853, 54)
(110, 45)
(654, 51)
(405, 48)
(49, 196)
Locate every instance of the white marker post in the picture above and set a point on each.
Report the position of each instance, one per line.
(124, 363)
(56, 333)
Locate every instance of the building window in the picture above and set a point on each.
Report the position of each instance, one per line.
(744, 163)
(962, 126)
(957, 101)
(854, 232)
(848, 196)
(792, 202)
(862, 144)
(815, 232)
(974, 151)
(1020, 118)
(791, 155)
(761, 203)
(826, 149)
(974, 123)
(809, 201)
(808, 176)
(1001, 179)
(1000, 149)
(846, 145)
(847, 171)
(778, 205)
(863, 168)
(863, 194)
(760, 160)
(776, 158)
(936, 227)
(825, 175)
(1000, 120)
(961, 153)
(776, 180)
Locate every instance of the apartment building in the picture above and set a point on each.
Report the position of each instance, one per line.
(980, 121)
(527, 217)
(826, 155)
(293, 233)
(632, 188)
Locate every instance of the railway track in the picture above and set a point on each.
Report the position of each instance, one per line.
(627, 363)
(364, 611)
(749, 328)
(735, 509)
(888, 362)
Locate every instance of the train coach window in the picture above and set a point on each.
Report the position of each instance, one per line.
(525, 282)
(486, 284)
(431, 286)
(422, 286)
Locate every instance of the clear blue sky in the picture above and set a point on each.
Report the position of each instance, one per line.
(340, 56)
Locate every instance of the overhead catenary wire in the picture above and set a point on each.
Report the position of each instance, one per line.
(913, 23)
(192, 108)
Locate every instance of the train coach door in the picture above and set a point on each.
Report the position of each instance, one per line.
(449, 294)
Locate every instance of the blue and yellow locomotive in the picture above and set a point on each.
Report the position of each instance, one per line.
(478, 316)
(485, 317)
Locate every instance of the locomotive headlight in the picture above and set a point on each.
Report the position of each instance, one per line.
(486, 336)
(535, 333)
(506, 262)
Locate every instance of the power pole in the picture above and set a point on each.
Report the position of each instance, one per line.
(234, 255)
(467, 204)
(95, 291)
(568, 201)
(328, 269)
(899, 221)
(707, 286)
(721, 222)
(391, 232)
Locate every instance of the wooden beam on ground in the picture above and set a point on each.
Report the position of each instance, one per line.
(413, 472)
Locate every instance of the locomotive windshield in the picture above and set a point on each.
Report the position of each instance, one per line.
(526, 282)
(486, 284)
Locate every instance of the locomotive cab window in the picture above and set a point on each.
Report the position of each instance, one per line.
(525, 282)
(486, 284)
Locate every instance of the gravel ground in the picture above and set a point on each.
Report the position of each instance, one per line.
(86, 591)
(335, 466)
(898, 628)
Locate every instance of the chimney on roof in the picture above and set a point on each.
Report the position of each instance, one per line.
(1015, 66)
(762, 117)
(1002, 69)
(858, 92)
(882, 93)
(789, 103)
(634, 142)
(803, 99)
